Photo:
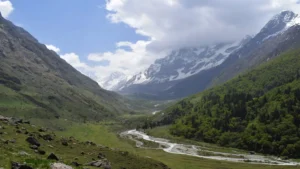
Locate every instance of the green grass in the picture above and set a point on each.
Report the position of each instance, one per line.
(103, 135)
(67, 154)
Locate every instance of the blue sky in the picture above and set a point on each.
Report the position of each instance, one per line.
(100, 37)
(78, 26)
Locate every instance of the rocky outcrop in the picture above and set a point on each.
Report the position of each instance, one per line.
(52, 156)
(33, 141)
(60, 166)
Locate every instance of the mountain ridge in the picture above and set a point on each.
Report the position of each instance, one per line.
(37, 83)
(274, 38)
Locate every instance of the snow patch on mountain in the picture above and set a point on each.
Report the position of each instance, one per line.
(285, 19)
(115, 81)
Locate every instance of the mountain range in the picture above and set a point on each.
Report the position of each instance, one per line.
(190, 70)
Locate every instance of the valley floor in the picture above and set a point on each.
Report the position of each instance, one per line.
(105, 134)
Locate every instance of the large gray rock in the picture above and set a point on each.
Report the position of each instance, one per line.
(100, 163)
(60, 166)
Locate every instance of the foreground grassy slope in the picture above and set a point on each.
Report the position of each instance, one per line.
(14, 148)
(257, 111)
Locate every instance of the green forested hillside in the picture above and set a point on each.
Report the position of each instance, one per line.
(257, 111)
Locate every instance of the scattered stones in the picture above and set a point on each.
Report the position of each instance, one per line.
(90, 143)
(33, 141)
(15, 165)
(13, 141)
(52, 157)
(50, 146)
(17, 121)
(23, 153)
(34, 147)
(42, 130)
(26, 122)
(2, 118)
(60, 166)
(99, 163)
(64, 142)
(76, 164)
(48, 137)
(101, 156)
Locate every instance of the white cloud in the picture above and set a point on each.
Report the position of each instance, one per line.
(6, 8)
(74, 60)
(180, 23)
(172, 24)
(54, 48)
(128, 61)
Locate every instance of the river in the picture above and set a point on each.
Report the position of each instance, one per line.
(204, 152)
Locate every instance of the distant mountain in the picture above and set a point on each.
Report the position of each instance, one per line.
(36, 83)
(178, 65)
(188, 71)
(115, 81)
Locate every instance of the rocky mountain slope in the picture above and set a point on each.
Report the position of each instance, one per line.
(36, 83)
(185, 73)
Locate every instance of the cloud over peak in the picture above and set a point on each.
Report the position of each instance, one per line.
(6, 8)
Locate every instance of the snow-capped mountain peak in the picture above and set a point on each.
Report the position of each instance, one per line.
(185, 62)
(114, 81)
(279, 24)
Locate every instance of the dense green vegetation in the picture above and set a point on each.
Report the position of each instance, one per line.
(258, 111)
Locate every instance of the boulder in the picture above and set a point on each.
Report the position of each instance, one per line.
(101, 156)
(76, 164)
(60, 166)
(42, 152)
(52, 157)
(23, 153)
(15, 165)
(33, 141)
(34, 147)
(64, 142)
(99, 163)
(42, 130)
(13, 141)
(48, 137)
(26, 122)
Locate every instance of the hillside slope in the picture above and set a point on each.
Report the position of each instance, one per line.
(36, 83)
(258, 111)
(30, 147)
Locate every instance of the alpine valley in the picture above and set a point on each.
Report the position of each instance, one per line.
(238, 107)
